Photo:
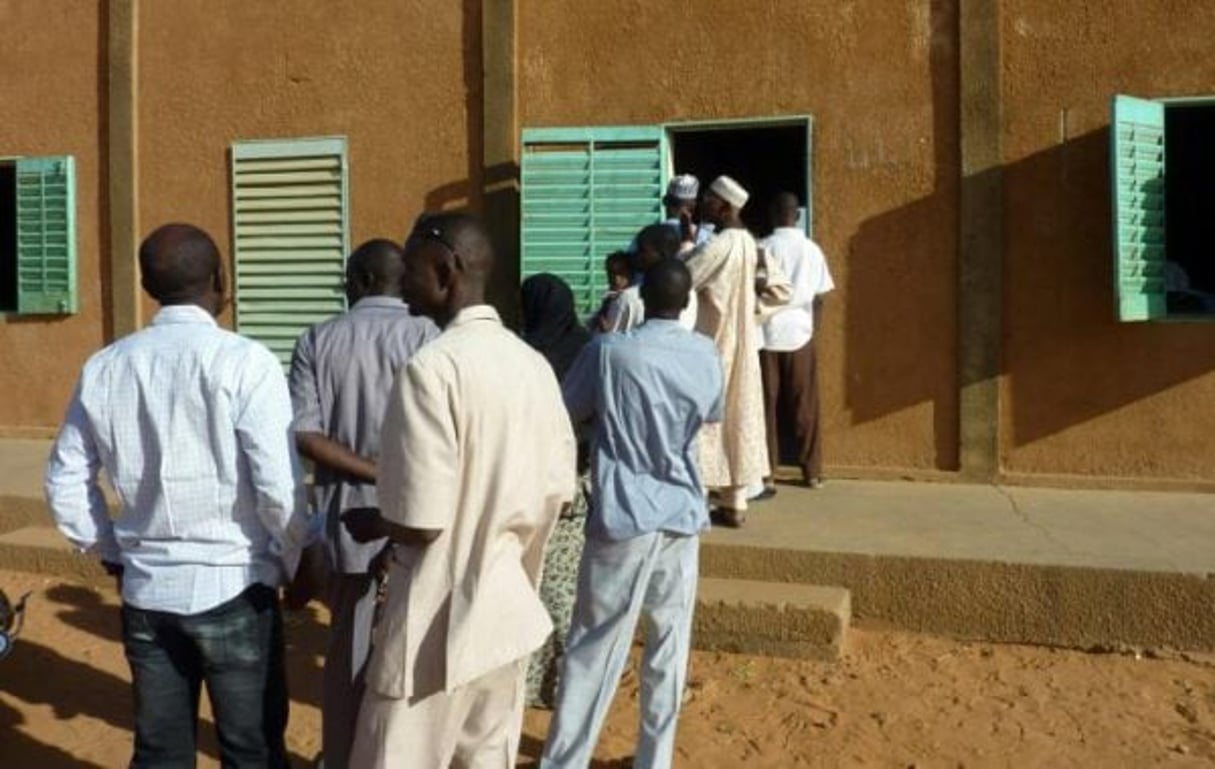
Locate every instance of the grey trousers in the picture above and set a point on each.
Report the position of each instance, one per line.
(351, 599)
(652, 576)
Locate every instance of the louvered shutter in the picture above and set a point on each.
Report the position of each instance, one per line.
(46, 235)
(291, 237)
(585, 193)
(1137, 170)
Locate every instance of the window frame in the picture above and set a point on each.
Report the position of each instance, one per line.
(252, 150)
(31, 303)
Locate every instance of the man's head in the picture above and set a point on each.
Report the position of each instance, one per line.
(723, 202)
(655, 243)
(447, 264)
(619, 270)
(180, 264)
(374, 269)
(666, 288)
(784, 210)
(681, 195)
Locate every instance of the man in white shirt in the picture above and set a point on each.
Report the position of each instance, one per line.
(787, 360)
(191, 424)
(476, 464)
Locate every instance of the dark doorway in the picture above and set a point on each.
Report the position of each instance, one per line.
(1189, 131)
(765, 159)
(8, 237)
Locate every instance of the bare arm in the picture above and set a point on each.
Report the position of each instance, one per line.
(328, 452)
(365, 524)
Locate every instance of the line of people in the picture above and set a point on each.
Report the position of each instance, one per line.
(453, 465)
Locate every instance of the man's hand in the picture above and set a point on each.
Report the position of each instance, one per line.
(365, 524)
(115, 571)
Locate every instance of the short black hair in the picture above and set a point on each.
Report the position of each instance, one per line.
(666, 287)
(618, 261)
(663, 238)
(179, 263)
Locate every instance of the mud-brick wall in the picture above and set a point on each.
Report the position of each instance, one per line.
(400, 80)
(1083, 393)
(54, 102)
(880, 79)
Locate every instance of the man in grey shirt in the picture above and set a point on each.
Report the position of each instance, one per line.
(341, 376)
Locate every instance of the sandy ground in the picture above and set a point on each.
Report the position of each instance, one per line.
(898, 700)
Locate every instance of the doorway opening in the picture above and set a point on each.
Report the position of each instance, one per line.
(765, 157)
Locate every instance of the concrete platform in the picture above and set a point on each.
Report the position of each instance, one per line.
(1077, 568)
(1084, 569)
(773, 619)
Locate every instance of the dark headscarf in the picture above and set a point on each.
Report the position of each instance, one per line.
(550, 322)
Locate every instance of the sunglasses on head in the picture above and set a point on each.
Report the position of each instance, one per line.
(436, 235)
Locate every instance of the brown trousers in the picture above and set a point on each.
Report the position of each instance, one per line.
(791, 398)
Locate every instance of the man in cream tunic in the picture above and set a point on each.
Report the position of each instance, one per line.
(734, 452)
(476, 463)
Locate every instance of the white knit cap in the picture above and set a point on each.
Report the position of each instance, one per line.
(683, 187)
(730, 191)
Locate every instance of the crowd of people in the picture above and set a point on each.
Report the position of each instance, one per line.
(490, 516)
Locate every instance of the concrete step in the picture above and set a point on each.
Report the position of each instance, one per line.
(43, 550)
(778, 619)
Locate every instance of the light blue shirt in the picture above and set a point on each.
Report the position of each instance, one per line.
(649, 391)
(191, 424)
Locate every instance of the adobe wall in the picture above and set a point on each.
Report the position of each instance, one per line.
(53, 94)
(880, 80)
(1083, 393)
(399, 80)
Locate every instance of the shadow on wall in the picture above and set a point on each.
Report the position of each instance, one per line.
(900, 324)
(1068, 358)
(490, 192)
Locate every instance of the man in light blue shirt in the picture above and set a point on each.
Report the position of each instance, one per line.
(191, 424)
(649, 391)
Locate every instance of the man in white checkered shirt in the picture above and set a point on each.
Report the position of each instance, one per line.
(191, 424)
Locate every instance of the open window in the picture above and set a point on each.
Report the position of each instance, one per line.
(585, 192)
(38, 236)
(1164, 221)
(766, 156)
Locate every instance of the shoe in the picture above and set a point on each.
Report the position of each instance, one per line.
(767, 493)
(815, 483)
(727, 518)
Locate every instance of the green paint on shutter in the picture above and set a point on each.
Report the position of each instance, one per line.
(585, 193)
(46, 236)
(291, 234)
(1137, 171)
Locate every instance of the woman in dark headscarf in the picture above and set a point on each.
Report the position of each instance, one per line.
(550, 321)
(550, 325)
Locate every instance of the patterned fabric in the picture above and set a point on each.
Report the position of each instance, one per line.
(734, 452)
(557, 590)
(191, 424)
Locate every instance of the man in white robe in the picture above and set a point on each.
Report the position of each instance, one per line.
(734, 452)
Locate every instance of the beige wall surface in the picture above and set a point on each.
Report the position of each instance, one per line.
(1083, 393)
(53, 92)
(401, 80)
(880, 79)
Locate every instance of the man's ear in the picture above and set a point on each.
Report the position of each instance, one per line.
(217, 280)
(445, 271)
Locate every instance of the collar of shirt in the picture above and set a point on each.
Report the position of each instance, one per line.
(183, 313)
(380, 302)
(796, 230)
(661, 324)
(474, 313)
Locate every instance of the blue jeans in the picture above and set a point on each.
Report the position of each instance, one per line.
(237, 650)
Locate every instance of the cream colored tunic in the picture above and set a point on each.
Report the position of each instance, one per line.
(476, 443)
(734, 451)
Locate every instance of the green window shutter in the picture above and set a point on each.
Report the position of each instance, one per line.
(585, 193)
(46, 236)
(291, 233)
(1137, 171)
